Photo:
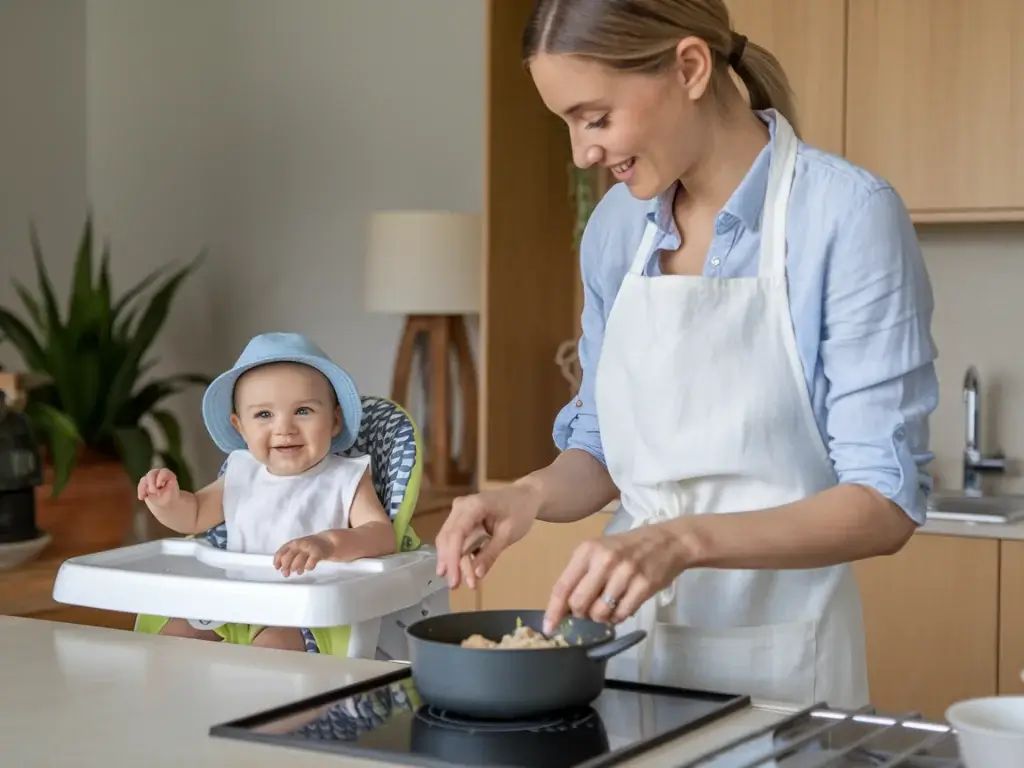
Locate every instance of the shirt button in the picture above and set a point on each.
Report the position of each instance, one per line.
(579, 403)
(900, 433)
(716, 261)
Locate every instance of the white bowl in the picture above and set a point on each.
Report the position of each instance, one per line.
(20, 552)
(990, 731)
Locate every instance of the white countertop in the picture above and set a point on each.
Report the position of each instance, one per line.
(86, 696)
(1012, 531)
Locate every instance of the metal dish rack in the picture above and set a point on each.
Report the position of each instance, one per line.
(821, 737)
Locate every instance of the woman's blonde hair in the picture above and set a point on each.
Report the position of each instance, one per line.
(640, 36)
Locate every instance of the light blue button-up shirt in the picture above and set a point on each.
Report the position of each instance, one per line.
(860, 299)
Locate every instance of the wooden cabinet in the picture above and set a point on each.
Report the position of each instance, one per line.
(529, 268)
(931, 616)
(526, 572)
(808, 38)
(935, 103)
(1011, 617)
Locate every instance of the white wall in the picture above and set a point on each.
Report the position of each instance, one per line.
(977, 274)
(42, 140)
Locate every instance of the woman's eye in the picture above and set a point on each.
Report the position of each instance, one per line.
(601, 122)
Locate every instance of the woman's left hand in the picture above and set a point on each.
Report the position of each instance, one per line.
(609, 578)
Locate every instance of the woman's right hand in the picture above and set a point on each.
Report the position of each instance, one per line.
(500, 517)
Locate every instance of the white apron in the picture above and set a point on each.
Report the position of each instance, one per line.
(704, 410)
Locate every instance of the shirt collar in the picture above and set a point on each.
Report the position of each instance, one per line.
(746, 202)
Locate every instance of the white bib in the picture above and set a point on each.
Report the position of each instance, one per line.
(704, 410)
(263, 511)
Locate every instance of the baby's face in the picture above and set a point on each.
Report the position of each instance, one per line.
(287, 415)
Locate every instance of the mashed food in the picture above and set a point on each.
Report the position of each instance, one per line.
(522, 638)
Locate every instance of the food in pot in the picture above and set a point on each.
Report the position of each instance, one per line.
(522, 638)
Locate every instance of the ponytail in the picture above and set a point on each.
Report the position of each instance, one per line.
(764, 79)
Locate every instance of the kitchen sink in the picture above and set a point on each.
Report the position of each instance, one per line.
(981, 509)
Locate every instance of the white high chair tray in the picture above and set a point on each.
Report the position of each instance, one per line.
(191, 579)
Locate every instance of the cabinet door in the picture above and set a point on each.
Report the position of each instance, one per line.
(930, 616)
(808, 38)
(1011, 618)
(935, 104)
(525, 573)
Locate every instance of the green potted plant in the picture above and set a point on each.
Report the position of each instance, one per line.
(97, 406)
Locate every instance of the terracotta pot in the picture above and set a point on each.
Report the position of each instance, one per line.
(94, 511)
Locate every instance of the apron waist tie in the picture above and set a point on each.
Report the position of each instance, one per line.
(647, 616)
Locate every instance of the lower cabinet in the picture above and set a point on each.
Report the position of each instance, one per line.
(931, 616)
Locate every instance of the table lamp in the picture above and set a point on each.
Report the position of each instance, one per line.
(425, 265)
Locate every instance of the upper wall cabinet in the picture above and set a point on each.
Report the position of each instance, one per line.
(808, 38)
(935, 103)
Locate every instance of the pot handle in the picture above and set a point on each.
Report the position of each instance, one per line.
(614, 647)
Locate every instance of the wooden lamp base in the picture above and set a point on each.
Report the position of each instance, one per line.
(444, 340)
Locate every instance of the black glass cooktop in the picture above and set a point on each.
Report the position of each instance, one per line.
(385, 720)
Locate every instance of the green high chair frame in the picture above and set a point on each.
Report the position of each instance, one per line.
(388, 434)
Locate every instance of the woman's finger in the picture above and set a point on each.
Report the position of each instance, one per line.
(451, 540)
(638, 592)
(615, 589)
(299, 563)
(467, 565)
(558, 604)
(590, 588)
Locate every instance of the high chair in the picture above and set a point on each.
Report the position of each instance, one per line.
(390, 437)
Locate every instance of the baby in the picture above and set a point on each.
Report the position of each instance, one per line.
(282, 413)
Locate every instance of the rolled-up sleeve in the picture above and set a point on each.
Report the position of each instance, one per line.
(878, 355)
(576, 424)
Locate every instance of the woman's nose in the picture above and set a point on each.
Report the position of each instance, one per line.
(587, 155)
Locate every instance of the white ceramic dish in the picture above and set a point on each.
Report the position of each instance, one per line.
(990, 731)
(192, 579)
(20, 552)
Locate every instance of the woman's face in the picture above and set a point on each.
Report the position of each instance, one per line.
(646, 128)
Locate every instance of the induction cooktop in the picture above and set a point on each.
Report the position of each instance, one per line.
(385, 720)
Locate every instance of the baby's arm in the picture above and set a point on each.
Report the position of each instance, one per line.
(182, 511)
(371, 533)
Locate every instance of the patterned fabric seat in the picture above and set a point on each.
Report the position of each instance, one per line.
(388, 435)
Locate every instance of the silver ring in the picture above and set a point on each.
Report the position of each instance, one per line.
(610, 601)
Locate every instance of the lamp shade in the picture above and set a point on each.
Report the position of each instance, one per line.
(423, 262)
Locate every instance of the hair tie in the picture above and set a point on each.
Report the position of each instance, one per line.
(739, 42)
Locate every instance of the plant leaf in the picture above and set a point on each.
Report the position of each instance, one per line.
(177, 465)
(145, 332)
(152, 393)
(138, 288)
(169, 425)
(81, 303)
(53, 321)
(24, 340)
(135, 448)
(62, 439)
(31, 305)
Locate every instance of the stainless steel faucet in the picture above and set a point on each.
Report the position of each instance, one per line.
(975, 464)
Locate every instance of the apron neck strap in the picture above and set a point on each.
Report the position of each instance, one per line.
(776, 200)
(643, 251)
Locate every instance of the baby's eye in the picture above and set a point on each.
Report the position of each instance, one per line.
(304, 411)
(262, 414)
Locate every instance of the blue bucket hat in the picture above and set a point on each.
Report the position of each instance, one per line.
(218, 401)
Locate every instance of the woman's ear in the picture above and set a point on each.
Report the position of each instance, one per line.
(336, 430)
(694, 66)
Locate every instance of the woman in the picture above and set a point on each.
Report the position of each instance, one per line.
(757, 359)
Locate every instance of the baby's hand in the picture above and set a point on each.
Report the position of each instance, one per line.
(159, 486)
(301, 555)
